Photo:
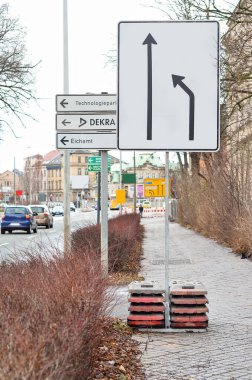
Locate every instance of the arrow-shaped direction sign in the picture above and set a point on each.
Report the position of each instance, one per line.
(149, 40)
(178, 80)
(86, 122)
(86, 103)
(105, 141)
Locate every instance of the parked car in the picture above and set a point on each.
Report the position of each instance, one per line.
(43, 215)
(72, 206)
(57, 210)
(18, 218)
(146, 204)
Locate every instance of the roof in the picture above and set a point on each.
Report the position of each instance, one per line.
(50, 156)
(144, 158)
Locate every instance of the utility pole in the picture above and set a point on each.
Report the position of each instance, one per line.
(135, 182)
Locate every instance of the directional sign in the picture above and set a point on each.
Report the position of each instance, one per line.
(85, 122)
(94, 163)
(168, 86)
(96, 160)
(86, 103)
(96, 168)
(101, 141)
(155, 187)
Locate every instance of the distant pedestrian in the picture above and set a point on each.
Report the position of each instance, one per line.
(141, 210)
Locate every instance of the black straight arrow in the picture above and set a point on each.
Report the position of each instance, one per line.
(64, 141)
(149, 40)
(178, 80)
(65, 122)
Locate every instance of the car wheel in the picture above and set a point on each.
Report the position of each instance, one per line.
(28, 230)
(51, 225)
(10, 231)
(2, 231)
(48, 225)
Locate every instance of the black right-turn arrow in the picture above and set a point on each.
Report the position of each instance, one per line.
(178, 80)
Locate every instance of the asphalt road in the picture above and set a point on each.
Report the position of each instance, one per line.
(13, 244)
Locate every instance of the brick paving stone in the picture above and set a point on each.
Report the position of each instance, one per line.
(224, 351)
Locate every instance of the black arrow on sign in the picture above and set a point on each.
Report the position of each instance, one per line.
(82, 122)
(64, 141)
(149, 40)
(64, 122)
(63, 103)
(178, 80)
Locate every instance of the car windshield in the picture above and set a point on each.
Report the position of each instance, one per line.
(37, 209)
(15, 210)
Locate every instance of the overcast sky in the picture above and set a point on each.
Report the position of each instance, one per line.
(92, 34)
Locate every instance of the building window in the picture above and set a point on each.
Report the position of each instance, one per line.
(79, 159)
(86, 171)
(59, 185)
(79, 171)
(86, 159)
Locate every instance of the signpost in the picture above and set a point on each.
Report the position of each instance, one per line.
(89, 122)
(168, 92)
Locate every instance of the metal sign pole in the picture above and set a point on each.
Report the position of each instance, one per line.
(167, 306)
(66, 154)
(104, 211)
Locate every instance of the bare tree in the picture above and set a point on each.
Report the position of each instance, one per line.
(16, 75)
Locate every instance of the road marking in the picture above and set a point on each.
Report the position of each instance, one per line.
(4, 244)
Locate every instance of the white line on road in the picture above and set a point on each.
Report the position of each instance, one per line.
(4, 244)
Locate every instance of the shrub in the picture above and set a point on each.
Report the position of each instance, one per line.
(50, 314)
(125, 234)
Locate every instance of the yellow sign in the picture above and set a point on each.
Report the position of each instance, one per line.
(155, 187)
(121, 196)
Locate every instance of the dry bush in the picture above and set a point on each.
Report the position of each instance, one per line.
(50, 313)
(216, 206)
(125, 234)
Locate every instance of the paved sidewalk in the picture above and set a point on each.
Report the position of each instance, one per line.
(224, 352)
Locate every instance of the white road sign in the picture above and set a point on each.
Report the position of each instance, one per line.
(168, 86)
(85, 122)
(86, 103)
(101, 141)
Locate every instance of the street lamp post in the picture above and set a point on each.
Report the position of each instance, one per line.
(15, 181)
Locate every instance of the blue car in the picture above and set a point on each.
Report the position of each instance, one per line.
(18, 218)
